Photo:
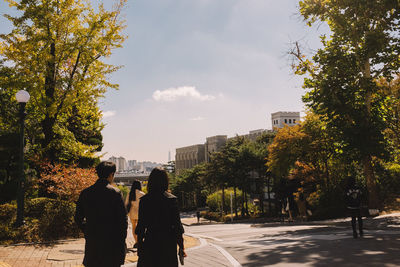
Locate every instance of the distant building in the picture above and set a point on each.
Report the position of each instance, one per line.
(121, 166)
(187, 157)
(120, 163)
(282, 118)
(214, 144)
(132, 164)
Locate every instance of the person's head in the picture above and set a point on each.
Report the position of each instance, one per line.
(105, 169)
(158, 181)
(136, 185)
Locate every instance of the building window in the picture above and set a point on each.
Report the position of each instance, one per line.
(294, 120)
(285, 120)
(290, 120)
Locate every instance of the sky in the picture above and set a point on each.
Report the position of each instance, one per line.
(199, 68)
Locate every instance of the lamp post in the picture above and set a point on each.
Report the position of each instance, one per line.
(22, 98)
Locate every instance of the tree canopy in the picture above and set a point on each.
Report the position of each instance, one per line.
(56, 50)
(343, 76)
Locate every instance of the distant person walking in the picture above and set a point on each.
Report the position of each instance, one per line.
(132, 206)
(159, 228)
(353, 202)
(101, 215)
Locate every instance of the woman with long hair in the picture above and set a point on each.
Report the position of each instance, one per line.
(159, 228)
(132, 206)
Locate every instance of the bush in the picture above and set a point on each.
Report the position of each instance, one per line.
(35, 207)
(57, 221)
(7, 212)
(46, 219)
(214, 200)
(327, 204)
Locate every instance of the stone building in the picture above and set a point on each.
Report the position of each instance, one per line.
(282, 118)
(187, 157)
(214, 144)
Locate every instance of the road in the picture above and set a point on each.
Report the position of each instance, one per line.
(317, 244)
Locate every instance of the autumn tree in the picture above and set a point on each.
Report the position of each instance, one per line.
(57, 50)
(342, 77)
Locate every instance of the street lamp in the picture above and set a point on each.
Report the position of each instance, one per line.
(22, 98)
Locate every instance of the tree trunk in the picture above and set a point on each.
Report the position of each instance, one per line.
(49, 86)
(223, 199)
(373, 197)
(247, 206)
(269, 196)
(234, 203)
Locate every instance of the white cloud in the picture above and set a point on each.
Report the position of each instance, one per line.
(109, 113)
(173, 94)
(199, 118)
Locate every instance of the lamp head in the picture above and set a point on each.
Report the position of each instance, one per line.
(22, 96)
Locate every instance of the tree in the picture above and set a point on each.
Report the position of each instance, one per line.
(343, 75)
(56, 50)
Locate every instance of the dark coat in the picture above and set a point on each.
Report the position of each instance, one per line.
(160, 225)
(353, 197)
(101, 215)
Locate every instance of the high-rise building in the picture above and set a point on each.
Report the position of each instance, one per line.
(132, 164)
(121, 166)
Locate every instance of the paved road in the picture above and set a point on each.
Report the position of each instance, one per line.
(322, 244)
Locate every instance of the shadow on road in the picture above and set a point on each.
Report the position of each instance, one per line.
(319, 248)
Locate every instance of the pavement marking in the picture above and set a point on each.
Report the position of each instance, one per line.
(229, 257)
(203, 243)
(204, 236)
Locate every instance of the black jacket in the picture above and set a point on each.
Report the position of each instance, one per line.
(101, 215)
(160, 226)
(353, 197)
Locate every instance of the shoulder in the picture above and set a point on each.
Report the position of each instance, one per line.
(139, 193)
(113, 189)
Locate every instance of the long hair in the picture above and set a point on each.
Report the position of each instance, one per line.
(158, 181)
(132, 193)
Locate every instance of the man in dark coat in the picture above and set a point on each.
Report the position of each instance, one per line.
(101, 215)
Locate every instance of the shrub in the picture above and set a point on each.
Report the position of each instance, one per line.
(7, 212)
(214, 200)
(57, 221)
(66, 182)
(46, 219)
(35, 207)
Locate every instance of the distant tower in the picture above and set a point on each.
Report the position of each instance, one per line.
(169, 156)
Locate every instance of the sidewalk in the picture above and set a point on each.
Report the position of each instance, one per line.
(65, 253)
(189, 221)
(205, 255)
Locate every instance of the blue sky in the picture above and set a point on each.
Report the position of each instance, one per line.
(197, 68)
